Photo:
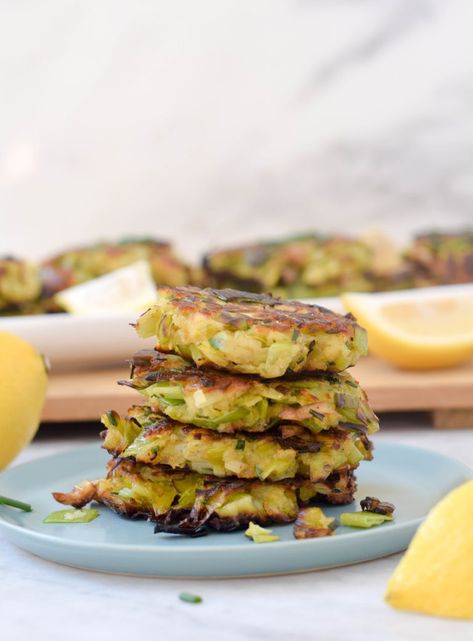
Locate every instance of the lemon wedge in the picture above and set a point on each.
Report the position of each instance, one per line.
(129, 289)
(418, 329)
(435, 576)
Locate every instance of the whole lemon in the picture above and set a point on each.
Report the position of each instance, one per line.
(23, 386)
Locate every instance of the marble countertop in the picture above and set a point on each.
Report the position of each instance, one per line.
(48, 601)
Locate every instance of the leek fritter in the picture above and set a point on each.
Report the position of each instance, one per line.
(79, 265)
(309, 266)
(442, 258)
(227, 402)
(20, 286)
(186, 502)
(284, 452)
(251, 333)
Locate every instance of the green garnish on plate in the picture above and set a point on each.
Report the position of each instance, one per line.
(363, 519)
(190, 598)
(26, 507)
(72, 516)
(260, 534)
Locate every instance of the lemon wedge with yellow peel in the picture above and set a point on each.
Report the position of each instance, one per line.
(419, 329)
(435, 576)
(22, 393)
(129, 289)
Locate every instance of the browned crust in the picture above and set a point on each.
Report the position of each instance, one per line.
(289, 436)
(303, 529)
(200, 518)
(153, 366)
(79, 496)
(235, 308)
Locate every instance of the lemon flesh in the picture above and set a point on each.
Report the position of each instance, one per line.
(22, 394)
(435, 576)
(417, 333)
(129, 289)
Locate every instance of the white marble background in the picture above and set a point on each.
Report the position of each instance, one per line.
(215, 121)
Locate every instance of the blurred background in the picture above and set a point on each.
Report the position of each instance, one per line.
(217, 122)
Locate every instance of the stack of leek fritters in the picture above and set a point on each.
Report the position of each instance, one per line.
(248, 414)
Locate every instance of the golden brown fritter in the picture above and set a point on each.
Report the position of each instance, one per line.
(310, 265)
(251, 333)
(284, 452)
(441, 258)
(185, 502)
(227, 402)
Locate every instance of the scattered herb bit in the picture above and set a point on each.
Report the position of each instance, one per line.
(354, 426)
(317, 415)
(260, 534)
(216, 341)
(363, 519)
(352, 384)
(113, 417)
(372, 504)
(240, 444)
(345, 400)
(4, 500)
(190, 598)
(295, 335)
(260, 472)
(72, 516)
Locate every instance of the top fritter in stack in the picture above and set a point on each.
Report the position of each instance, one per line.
(248, 413)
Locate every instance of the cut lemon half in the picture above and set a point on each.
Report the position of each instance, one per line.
(435, 576)
(129, 289)
(417, 329)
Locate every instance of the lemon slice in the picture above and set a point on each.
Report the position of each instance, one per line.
(129, 289)
(418, 329)
(435, 576)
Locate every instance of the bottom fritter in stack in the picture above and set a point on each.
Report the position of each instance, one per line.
(214, 449)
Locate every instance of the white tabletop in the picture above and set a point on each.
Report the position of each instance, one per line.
(40, 600)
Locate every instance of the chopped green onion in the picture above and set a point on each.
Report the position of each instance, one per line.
(168, 391)
(172, 401)
(317, 415)
(72, 516)
(240, 444)
(295, 335)
(4, 500)
(233, 415)
(217, 341)
(352, 384)
(190, 598)
(113, 417)
(260, 534)
(363, 519)
(260, 473)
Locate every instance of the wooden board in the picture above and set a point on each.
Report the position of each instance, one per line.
(84, 396)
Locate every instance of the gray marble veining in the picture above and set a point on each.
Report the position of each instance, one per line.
(218, 122)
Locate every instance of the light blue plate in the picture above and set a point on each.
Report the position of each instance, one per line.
(413, 479)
